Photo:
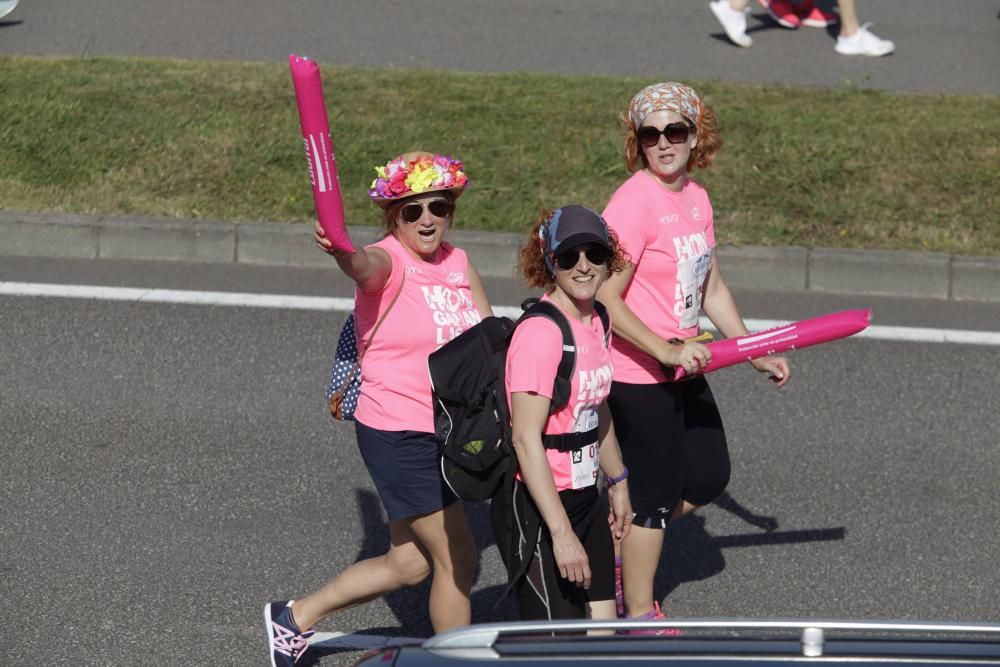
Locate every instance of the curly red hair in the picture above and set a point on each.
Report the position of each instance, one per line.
(531, 262)
(708, 146)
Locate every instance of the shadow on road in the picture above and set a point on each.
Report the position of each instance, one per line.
(690, 553)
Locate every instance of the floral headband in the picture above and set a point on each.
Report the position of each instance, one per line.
(665, 97)
(416, 173)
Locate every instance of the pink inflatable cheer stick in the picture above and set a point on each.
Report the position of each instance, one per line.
(319, 150)
(793, 336)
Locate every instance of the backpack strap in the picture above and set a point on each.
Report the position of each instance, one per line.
(567, 442)
(602, 313)
(564, 373)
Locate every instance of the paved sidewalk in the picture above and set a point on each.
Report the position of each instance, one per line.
(780, 269)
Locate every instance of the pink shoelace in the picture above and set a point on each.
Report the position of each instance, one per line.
(289, 642)
(656, 615)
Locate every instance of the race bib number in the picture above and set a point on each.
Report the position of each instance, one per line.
(691, 283)
(586, 461)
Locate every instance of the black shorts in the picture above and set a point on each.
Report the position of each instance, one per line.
(405, 466)
(543, 594)
(673, 443)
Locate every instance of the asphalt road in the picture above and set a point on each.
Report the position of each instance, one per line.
(170, 468)
(941, 47)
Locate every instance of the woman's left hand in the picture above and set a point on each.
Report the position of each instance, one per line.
(621, 511)
(777, 366)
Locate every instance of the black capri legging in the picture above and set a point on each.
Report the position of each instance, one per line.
(673, 443)
(542, 593)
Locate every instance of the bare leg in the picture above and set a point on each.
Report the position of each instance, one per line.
(641, 552)
(405, 564)
(448, 540)
(848, 17)
(739, 5)
(602, 610)
(683, 509)
(641, 558)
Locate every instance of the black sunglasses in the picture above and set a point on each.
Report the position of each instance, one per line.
(596, 255)
(676, 133)
(439, 208)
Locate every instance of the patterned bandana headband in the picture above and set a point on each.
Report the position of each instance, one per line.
(665, 97)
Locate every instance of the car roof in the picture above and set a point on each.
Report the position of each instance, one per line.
(712, 643)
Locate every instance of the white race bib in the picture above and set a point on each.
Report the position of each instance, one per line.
(585, 462)
(691, 280)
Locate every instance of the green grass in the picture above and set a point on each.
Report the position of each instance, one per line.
(804, 166)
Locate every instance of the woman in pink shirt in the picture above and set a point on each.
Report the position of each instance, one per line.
(671, 433)
(552, 527)
(428, 292)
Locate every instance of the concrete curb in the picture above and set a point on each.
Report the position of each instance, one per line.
(781, 269)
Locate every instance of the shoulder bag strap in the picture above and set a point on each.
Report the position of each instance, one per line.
(361, 353)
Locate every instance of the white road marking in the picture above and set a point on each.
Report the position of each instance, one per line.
(145, 295)
(293, 302)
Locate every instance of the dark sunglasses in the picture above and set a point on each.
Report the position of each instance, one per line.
(439, 208)
(596, 255)
(676, 133)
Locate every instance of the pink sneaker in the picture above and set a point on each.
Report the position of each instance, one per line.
(783, 12)
(655, 614)
(814, 17)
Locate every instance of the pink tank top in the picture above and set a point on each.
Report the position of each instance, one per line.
(434, 306)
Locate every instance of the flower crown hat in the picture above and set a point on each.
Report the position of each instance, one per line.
(416, 173)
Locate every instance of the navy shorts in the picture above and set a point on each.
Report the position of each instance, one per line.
(405, 466)
(673, 443)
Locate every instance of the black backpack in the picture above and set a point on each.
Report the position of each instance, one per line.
(471, 416)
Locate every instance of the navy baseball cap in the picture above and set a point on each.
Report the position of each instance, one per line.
(570, 227)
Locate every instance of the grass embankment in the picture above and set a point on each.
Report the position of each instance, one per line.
(811, 167)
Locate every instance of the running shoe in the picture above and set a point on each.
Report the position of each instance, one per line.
(655, 614)
(285, 642)
(814, 17)
(864, 43)
(734, 22)
(783, 12)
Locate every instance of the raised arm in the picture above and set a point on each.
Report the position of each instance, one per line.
(368, 267)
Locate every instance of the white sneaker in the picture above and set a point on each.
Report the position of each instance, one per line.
(864, 43)
(733, 22)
